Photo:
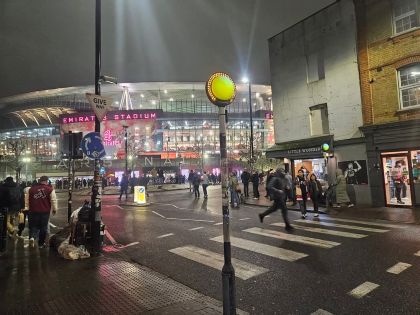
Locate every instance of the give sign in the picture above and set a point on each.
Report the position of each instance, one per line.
(100, 105)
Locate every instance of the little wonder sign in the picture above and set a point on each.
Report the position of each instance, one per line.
(100, 105)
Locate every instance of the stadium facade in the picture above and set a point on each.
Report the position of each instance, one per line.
(171, 126)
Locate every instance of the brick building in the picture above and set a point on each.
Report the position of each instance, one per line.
(388, 36)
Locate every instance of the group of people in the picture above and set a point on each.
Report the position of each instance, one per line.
(195, 180)
(32, 201)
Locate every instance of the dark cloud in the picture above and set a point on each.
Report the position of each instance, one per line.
(50, 43)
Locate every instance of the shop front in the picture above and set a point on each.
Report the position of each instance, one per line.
(307, 155)
(347, 155)
(394, 163)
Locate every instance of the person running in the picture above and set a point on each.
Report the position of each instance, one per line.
(245, 177)
(277, 187)
(315, 191)
(301, 192)
(255, 178)
(42, 200)
(205, 183)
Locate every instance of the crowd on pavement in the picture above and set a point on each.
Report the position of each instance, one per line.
(32, 202)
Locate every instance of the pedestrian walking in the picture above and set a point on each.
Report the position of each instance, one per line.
(12, 199)
(245, 178)
(23, 215)
(124, 186)
(290, 192)
(233, 185)
(267, 181)
(190, 179)
(277, 187)
(255, 178)
(341, 190)
(301, 192)
(205, 183)
(315, 191)
(42, 200)
(196, 179)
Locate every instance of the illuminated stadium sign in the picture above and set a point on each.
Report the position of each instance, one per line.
(115, 115)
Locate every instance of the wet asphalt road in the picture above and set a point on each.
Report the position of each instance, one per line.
(175, 221)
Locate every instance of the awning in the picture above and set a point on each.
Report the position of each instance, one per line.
(309, 148)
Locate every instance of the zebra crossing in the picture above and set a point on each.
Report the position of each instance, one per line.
(326, 226)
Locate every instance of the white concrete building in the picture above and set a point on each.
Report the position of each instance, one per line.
(317, 99)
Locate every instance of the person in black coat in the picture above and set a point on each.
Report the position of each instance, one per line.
(255, 179)
(245, 177)
(277, 189)
(315, 191)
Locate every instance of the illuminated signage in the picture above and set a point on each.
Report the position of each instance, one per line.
(108, 139)
(118, 115)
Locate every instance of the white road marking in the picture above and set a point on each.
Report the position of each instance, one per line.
(218, 223)
(417, 254)
(159, 214)
(268, 250)
(194, 220)
(166, 235)
(109, 236)
(398, 268)
(54, 226)
(243, 270)
(366, 223)
(323, 231)
(344, 226)
(293, 238)
(119, 207)
(267, 216)
(363, 289)
(244, 219)
(321, 312)
(131, 244)
(196, 228)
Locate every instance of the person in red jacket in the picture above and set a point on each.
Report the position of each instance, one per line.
(42, 199)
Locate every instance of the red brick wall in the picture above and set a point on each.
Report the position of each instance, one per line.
(380, 56)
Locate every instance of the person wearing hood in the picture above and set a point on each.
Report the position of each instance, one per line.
(11, 197)
(341, 189)
(277, 188)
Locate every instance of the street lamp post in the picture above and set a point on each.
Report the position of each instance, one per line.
(251, 140)
(221, 91)
(95, 217)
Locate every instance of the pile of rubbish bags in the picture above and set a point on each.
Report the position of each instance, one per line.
(61, 241)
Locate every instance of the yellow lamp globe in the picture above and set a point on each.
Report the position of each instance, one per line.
(220, 89)
(223, 88)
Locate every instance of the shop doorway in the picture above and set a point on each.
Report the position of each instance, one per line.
(315, 166)
(398, 178)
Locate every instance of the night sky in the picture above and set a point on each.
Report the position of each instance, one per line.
(48, 44)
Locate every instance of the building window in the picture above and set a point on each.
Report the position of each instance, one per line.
(315, 67)
(406, 15)
(409, 85)
(319, 120)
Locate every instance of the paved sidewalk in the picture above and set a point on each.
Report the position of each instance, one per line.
(38, 281)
